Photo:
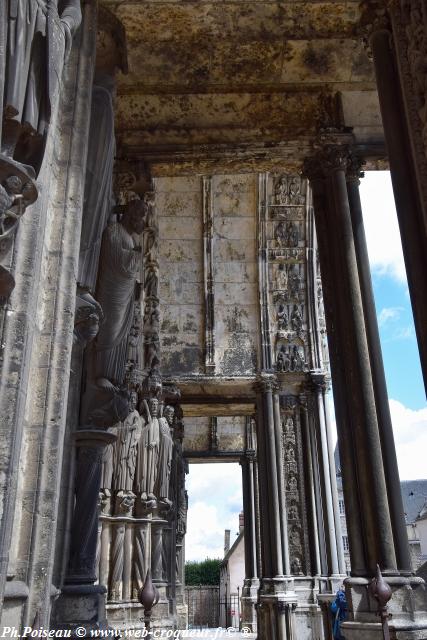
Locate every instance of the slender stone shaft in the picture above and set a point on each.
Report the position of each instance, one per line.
(274, 484)
(329, 266)
(281, 491)
(367, 470)
(249, 515)
(333, 483)
(314, 530)
(378, 376)
(84, 532)
(414, 243)
(330, 524)
(374, 502)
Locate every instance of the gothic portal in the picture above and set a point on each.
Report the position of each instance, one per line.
(183, 271)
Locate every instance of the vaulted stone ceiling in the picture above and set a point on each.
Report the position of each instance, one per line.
(220, 76)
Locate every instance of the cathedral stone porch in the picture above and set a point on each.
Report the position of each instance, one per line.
(183, 272)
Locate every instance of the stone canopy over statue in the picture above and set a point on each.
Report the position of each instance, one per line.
(39, 35)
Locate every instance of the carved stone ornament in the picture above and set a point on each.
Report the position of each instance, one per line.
(88, 317)
(39, 40)
(354, 168)
(326, 161)
(374, 17)
(17, 191)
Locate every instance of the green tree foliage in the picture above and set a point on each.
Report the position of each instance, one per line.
(204, 573)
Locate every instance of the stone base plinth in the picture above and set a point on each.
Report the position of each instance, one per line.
(182, 616)
(408, 609)
(249, 601)
(81, 606)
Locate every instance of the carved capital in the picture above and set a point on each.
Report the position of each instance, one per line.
(374, 17)
(329, 159)
(354, 168)
(319, 382)
(266, 383)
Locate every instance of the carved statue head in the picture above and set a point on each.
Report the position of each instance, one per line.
(153, 405)
(169, 413)
(133, 401)
(133, 217)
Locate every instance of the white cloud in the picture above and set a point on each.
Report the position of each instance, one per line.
(389, 313)
(410, 433)
(381, 226)
(404, 333)
(214, 503)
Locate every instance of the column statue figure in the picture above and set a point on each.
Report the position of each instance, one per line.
(106, 358)
(165, 455)
(39, 36)
(128, 436)
(118, 270)
(148, 451)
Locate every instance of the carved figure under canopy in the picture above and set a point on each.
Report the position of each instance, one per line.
(39, 35)
(126, 446)
(282, 317)
(296, 319)
(118, 270)
(165, 454)
(148, 451)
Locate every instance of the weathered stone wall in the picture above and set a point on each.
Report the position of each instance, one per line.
(179, 210)
(234, 202)
(38, 336)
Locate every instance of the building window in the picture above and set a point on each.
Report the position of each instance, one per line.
(345, 543)
(342, 508)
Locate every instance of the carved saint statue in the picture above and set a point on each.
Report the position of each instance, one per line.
(297, 358)
(281, 191)
(281, 277)
(281, 234)
(294, 281)
(39, 35)
(292, 235)
(295, 196)
(119, 266)
(165, 454)
(296, 319)
(282, 317)
(148, 451)
(126, 446)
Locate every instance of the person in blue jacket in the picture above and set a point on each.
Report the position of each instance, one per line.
(339, 611)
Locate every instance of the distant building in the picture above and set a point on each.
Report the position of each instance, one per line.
(414, 496)
(232, 575)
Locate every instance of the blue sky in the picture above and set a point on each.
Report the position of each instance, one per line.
(400, 351)
(215, 494)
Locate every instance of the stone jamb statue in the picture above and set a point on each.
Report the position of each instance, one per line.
(39, 37)
(148, 451)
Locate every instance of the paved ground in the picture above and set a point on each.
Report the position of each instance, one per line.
(216, 634)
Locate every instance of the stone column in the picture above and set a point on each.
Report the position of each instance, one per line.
(276, 589)
(377, 367)
(314, 533)
(251, 583)
(333, 540)
(82, 603)
(408, 205)
(331, 293)
(346, 323)
(359, 434)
